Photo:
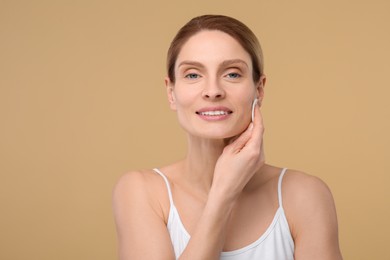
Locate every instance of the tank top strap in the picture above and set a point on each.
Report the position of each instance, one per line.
(280, 187)
(167, 183)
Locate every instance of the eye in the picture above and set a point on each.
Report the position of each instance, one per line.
(233, 75)
(192, 76)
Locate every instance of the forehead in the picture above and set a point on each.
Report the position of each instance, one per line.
(211, 47)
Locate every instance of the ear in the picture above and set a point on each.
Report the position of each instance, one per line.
(260, 89)
(170, 93)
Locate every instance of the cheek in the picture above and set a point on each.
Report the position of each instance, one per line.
(245, 108)
(184, 98)
(184, 103)
(245, 101)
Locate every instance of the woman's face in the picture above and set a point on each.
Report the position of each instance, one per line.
(214, 88)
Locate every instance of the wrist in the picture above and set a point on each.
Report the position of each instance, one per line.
(221, 200)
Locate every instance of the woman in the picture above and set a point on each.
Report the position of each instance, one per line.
(222, 201)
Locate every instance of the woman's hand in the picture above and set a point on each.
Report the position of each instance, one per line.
(240, 160)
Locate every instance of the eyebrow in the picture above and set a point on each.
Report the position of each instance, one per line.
(223, 64)
(190, 63)
(233, 61)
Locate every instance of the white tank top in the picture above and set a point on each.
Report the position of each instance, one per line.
(275, 244)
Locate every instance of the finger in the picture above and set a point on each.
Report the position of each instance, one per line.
(242, 140)
(258, 128)
(262, 156)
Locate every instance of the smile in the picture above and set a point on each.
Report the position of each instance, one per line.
(214, 113)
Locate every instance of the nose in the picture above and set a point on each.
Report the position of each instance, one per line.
(213, 91)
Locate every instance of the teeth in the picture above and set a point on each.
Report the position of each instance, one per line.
(213, 113)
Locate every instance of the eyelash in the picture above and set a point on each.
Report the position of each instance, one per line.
(236, 75)
(191, 76)
(231, 75)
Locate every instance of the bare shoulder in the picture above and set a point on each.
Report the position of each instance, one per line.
(305, 194)
(311, 213)
(138, 179)
(141, 187)
(140, 213)
(300, 185)
(131, 183)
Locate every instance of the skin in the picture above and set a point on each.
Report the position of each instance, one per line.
(224, 172)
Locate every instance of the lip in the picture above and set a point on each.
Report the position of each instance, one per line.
(220, 117)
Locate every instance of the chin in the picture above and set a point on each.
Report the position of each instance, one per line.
(221, 134)
(216, 132)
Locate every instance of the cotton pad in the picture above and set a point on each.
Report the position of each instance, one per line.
(253, 108)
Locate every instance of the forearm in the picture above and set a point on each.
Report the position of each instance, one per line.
(208, 238)
(239, 161)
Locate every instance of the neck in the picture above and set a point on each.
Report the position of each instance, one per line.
(199, 164)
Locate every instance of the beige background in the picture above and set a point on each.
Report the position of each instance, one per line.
(82, 101)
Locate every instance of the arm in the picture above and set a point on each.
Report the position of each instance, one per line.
(142, 232)
(239, 161)
(208, 238)
(312, 215)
